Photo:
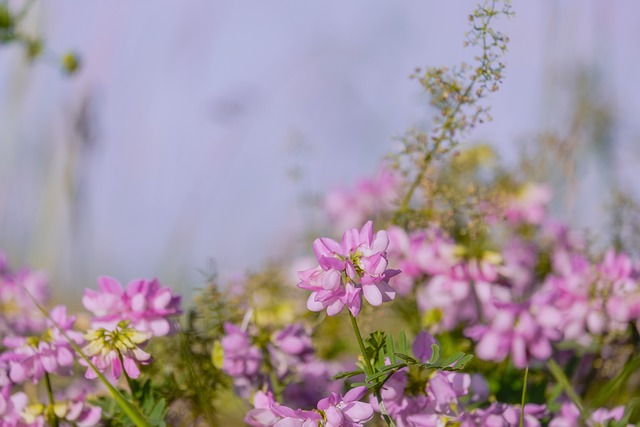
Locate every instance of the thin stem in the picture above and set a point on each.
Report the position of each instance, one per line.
(429, 155)
(524, 393)
(369, 370)
(562, 379)
(52, 401)
(356, 330)
(383, 409)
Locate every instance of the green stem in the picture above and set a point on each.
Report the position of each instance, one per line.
(369, 370)
(524, 393)
(383, 409)
(52, 401)
(356, 330)
(562, 379)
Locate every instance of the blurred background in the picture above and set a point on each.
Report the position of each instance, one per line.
(199, 135)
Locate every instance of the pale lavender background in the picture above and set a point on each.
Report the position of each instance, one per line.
(202, 109)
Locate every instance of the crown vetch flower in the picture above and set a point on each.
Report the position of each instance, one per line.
(346, 410)
(116, 349)
(333, 411)
(18, 314)
(146, 304)
(30, 357)
(241, 357)
(350, 270)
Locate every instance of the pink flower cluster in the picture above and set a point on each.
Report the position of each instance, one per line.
(335, 410)
(348, 208)
(569, 416)
(441, 401)
(348, 271)
(33, 347)
(18, 314)
(125, 319)
(29, 358)
(148, 306)
(289, 354)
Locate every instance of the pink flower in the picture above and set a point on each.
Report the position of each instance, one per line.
(570, 416)
(349, 207)
(29, 358)
(18, 314)
(11, 408)
(523, 331)
(115, 349)
(241, 357)
(346, 411)
(530, 206)
(144, 303)
(354, 268)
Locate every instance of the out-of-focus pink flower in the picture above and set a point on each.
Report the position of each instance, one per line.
(522, 331)
(11, 408)
(333, 411)
(75, 413)
(533, 413)
(148, 306)
(569, 416)
(29, 358)
(350, 270)
(18, 314)
(115, 349)
(290, 348)
(241, 357)
(530, 206)
(418, 254)
(349, 207)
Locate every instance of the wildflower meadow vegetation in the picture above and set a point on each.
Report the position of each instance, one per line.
(444, 294)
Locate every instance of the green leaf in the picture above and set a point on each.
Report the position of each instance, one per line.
(391, 349)
(616, 383)
(462, 363)
(562, 379)
(346, 374)
(403, 343)
(446, 363)
(359, 384)
(435, 355)
(410, 360)
(394, 366)
(157, 413)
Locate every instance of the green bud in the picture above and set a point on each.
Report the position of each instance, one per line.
(70, 63)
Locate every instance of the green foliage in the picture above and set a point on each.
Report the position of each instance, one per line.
(455, 95)
(150, 402)
(187, 376)
(388, 356)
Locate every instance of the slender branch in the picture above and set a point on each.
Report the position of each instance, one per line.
(52, 401)
(524, 393)
(369, 370)
(356, 330)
